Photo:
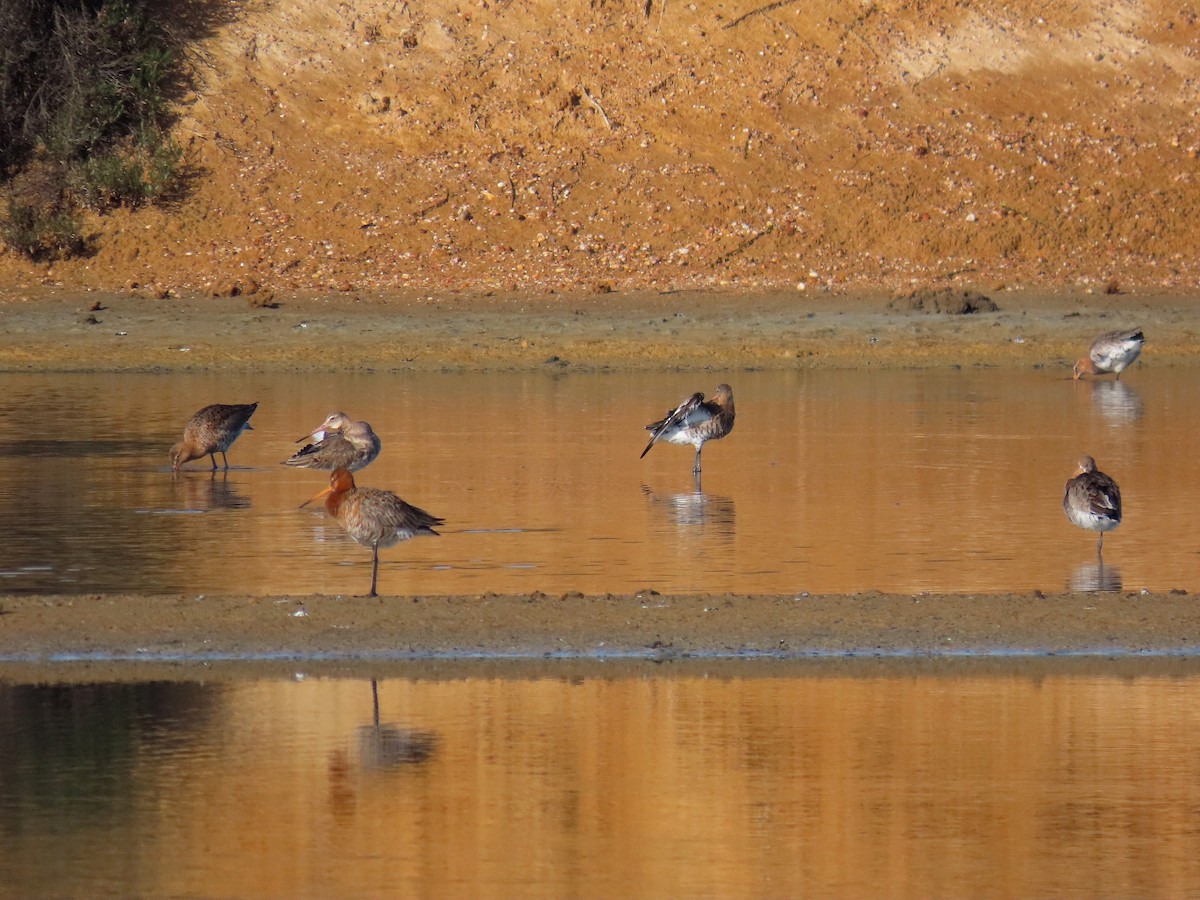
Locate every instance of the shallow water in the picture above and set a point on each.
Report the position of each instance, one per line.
(758, 780)
(943, 480)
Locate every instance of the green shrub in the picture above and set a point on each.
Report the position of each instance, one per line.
(164, 169)
(107, 181)
(41, 233)
(84, 86)
(126, 176)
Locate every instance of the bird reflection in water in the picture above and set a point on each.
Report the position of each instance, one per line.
(695, 509)
(1094, 576)
(1116, 401)
(207, 491)
(388, 746)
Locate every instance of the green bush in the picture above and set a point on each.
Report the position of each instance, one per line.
(126, 176)
(40, 233)
(83, 86)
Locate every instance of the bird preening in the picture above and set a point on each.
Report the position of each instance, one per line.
(337, 443)
(1093, 500)
(378, 518)
(695, 421)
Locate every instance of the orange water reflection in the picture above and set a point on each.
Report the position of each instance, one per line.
(941, 480)
(818, 782)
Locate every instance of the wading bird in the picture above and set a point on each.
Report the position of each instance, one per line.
(211, 431)
(1093, 500)
(1111, 352)
(337, 444)
(695, 421)
(373, 517)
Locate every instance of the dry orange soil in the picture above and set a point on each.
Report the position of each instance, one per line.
(484, 145)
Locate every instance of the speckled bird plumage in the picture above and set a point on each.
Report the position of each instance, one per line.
(374, 517)
(211, 431)
(1092, 500)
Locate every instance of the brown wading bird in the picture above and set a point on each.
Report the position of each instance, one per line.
(337, 444)
(374, 518)
(1111, 352)
(211, 431)
(695, 421)
(1093, 500)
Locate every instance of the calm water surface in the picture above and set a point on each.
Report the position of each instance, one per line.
(751, 779)
(942, 480)
(756, 780)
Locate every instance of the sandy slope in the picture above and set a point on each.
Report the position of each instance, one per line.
(497, 145)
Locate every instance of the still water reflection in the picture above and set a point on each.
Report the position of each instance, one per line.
(754, 780)
(831, 481)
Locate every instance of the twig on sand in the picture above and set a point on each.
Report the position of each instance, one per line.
(434, 205)
(758, 12)
(662, 7)
(743, 246)
(596, 106)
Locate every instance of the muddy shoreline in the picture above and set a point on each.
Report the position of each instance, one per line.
(644, 625)
(103, 636)
(55, 330)
(104, 632)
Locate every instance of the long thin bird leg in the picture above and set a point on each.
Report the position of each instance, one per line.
(224, 459)
(696, 467)
(374, 569)
(213, 456)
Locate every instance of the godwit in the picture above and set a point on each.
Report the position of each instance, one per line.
(1111, 352)
(374, 518)
(211, 431)
(1093, 500)
(337, 444)
(337, 421)
(695, 421)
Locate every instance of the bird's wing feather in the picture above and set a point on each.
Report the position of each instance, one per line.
(680, 415)
(331, 452)
(1105, 500)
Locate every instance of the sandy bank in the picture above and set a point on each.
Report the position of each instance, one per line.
(105, 628)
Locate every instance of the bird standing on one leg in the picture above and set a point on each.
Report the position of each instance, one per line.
(695, 421)
(211, 431)
(373, 517)
(1093, 500)
(1113, 351)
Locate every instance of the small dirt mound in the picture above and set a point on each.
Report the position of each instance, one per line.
(944, 301)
